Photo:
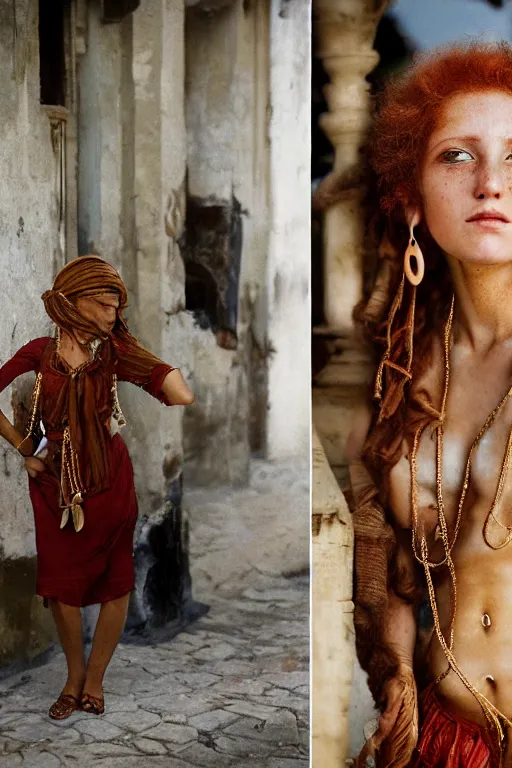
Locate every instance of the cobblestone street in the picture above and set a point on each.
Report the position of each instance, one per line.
(230, 690)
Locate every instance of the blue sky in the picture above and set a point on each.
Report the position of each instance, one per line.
(434, 22)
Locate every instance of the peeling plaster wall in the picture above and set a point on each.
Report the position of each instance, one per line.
(288, 426)
(159, 132)
(131, 102)
(29, 252)
(131, 211)
(248, 104)
(227, 102)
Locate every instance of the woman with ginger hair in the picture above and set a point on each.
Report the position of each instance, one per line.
(81, 480)
(429, 459)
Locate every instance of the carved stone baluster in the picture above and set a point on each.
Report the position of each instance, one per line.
(345, 31)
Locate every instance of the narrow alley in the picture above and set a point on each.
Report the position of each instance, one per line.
(230, 690)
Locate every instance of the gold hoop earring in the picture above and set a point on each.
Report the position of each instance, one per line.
(414, 251)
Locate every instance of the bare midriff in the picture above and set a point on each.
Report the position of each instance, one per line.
(483, 627)
(482, 646)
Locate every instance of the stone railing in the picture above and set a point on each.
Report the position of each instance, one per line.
(332, 615)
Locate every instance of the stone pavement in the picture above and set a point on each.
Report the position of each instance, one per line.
(231, 690)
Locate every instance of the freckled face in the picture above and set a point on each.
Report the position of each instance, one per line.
(466, 178)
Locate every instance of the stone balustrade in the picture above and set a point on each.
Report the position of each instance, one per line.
(332, 615)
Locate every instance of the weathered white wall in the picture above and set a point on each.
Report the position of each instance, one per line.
(28, 240)
(159, 135)
(288, 426)
(227, 100)
(29, 248)
(131, 158)
(248, 107)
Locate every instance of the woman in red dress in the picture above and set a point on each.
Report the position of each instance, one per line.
(81, 478)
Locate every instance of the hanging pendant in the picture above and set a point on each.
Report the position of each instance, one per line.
(77, 512)
(65, 517)
(78, 517)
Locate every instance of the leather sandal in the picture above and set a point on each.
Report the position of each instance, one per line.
(65, 705)
(92, 704)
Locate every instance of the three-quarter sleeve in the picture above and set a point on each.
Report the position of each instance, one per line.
(26, 359)
(140, 367)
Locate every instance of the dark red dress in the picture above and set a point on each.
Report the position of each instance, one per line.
(95, 564)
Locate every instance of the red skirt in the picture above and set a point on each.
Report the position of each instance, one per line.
(450, 741)
(95, 564)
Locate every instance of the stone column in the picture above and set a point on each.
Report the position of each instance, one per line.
(155, 440)
(226, 244)
(288, 269)
(131, 212)
(332, 615)
(345, 31)
(100, 146)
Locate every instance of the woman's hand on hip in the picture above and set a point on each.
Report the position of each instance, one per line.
(34, 466)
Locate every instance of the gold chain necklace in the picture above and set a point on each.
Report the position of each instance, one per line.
(492, 714)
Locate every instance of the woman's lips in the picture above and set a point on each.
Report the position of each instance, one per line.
(488, 216)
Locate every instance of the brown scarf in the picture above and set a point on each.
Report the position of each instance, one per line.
(86, 399)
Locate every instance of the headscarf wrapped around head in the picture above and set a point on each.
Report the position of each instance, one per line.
(85, 276)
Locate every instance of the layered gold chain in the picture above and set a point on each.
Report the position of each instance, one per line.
(493, 716)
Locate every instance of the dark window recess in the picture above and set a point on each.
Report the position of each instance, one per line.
(201, 295)
(52, 62)
(212, 253)
(115, 10)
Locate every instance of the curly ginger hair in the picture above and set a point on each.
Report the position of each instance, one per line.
(408, 112)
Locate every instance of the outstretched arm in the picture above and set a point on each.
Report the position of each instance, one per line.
(176, 389)
(140, 367)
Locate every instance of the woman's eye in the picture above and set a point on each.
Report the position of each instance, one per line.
(455, 156)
